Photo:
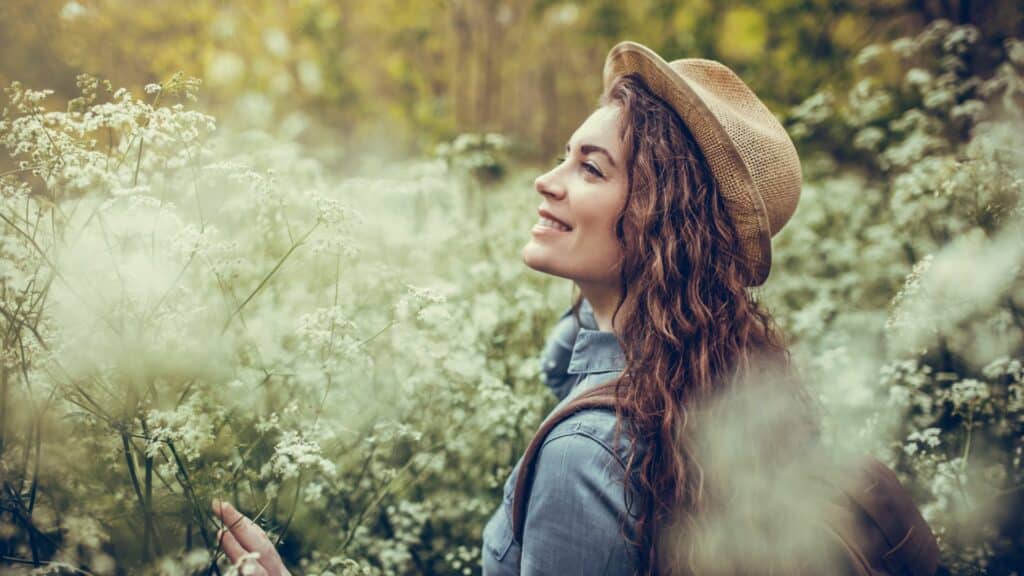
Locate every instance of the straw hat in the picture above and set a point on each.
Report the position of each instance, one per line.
(747, 149)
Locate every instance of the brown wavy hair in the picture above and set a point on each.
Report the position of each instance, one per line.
(692, 328)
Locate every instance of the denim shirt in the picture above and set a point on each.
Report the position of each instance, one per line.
(577, 501)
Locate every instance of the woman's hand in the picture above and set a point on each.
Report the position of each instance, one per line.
(240, 537)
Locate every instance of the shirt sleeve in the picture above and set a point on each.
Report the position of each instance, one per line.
(574, 511)
(554, 358)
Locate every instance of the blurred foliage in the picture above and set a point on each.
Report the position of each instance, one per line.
(398, 76)
(901, 278)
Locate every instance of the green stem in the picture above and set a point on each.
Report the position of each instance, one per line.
(154, 537)
(186, 485)
(138, 161)
(267, 278)
(291, 514)
(3, 408)
(35, 464)
(967, 442)
(130, 459)
(195, 183)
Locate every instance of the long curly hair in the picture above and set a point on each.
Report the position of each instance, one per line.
(692, 328)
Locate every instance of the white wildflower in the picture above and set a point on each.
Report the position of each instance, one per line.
(188, 427)
(917, 77)
(415, 299)
(869, 138)
(868, 54)
(904, 47)
(928, 437)
(1015, 50)
(72, 11)
(1005, 366)
(294, 453)
(969, 393)
(960, 38)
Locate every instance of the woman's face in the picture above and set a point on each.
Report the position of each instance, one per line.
(574, 236)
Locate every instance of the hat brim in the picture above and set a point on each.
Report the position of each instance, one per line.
(632, 58)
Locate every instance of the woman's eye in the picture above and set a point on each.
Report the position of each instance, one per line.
(586, 166)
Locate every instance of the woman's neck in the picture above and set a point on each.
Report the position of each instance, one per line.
(603, 300)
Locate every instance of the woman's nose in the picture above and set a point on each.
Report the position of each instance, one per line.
(548, 186)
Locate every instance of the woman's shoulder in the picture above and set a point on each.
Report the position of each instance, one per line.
(582, 461)
(589, 432)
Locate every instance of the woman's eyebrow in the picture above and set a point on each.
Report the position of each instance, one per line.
(590, 149)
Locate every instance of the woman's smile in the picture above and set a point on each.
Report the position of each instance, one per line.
(548, 223)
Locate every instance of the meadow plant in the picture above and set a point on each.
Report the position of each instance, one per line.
(190, 314)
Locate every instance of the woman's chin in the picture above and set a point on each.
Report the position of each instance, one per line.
(535, 257)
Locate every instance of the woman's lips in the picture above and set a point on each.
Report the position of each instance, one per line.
(546, 226)
(549, 219)
(553, 224)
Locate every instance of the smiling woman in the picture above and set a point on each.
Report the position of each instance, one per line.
(653, 221)
(662, 214)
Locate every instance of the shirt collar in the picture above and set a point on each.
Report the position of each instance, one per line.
(596, 351)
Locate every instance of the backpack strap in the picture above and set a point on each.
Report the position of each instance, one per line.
(601, 396)
(901, 540)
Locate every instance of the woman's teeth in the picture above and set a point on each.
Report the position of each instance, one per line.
(547, 222)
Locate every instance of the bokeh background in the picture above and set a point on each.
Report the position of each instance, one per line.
(268, 251)
(398, 77)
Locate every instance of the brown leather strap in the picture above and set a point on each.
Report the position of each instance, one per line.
(911, 547)
(601, 396)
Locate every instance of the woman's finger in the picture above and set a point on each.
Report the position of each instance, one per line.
(248, 534)
(251, 537)
(235, 553)
(229, 545)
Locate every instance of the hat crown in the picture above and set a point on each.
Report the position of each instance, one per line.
(748, 151)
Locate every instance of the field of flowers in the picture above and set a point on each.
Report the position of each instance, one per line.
(188, 313)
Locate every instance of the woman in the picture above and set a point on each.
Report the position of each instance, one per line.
(661, 212)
